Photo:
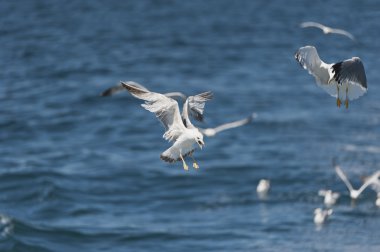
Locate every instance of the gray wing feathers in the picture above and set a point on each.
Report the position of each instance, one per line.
(113, 90)
(120, 88)
(343, 32)
(197, 103)
(165, 108)
(312, 24)
(194, 106)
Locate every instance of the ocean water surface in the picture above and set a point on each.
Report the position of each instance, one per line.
(80, 172)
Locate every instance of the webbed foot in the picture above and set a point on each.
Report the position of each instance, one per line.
(338, 102)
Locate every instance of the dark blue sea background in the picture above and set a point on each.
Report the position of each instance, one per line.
(80, 172)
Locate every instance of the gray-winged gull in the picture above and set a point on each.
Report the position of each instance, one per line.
(167, 111)
(327, 30)
(345, 80)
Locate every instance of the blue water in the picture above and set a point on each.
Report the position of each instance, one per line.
(79, 172)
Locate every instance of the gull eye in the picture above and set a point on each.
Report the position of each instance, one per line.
(199, 142)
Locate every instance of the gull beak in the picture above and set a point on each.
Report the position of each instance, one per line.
(200, 143)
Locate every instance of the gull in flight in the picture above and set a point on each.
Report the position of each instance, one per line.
(185, 136)
(327, 30)
(210, 132)
(354, 194)
(330, 197)
(345, 80)
(320, 216)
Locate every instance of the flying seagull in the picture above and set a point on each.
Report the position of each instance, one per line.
(354, 194)
(210, 132)
(330, 197)
(167, 111)
(327, 30)
(344, 80)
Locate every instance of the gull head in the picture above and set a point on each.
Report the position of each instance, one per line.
(198, 137)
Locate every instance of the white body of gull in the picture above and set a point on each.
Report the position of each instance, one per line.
(320, 216)
(327, 30)
(344, 80)
(185, 138)
(263, 186)
(354, 194)
(210, 132)
(330, 197)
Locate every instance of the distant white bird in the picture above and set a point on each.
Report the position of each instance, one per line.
(263, 186)
(167, 111)
(354, 194)
(344, 80)
(210, 132)
(330, 197)
(327, 30)
(320, 216)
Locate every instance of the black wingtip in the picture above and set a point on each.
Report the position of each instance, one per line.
(337, 67)
(107, 92)
(132, 88)
(207, 95)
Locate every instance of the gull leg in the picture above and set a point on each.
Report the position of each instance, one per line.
(185, 167)
(338, 102)
(346, 101)
(195, 165)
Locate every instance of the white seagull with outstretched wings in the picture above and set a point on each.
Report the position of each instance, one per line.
(327, 30)
(354, 194)
(344, 80)
(184, 136)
